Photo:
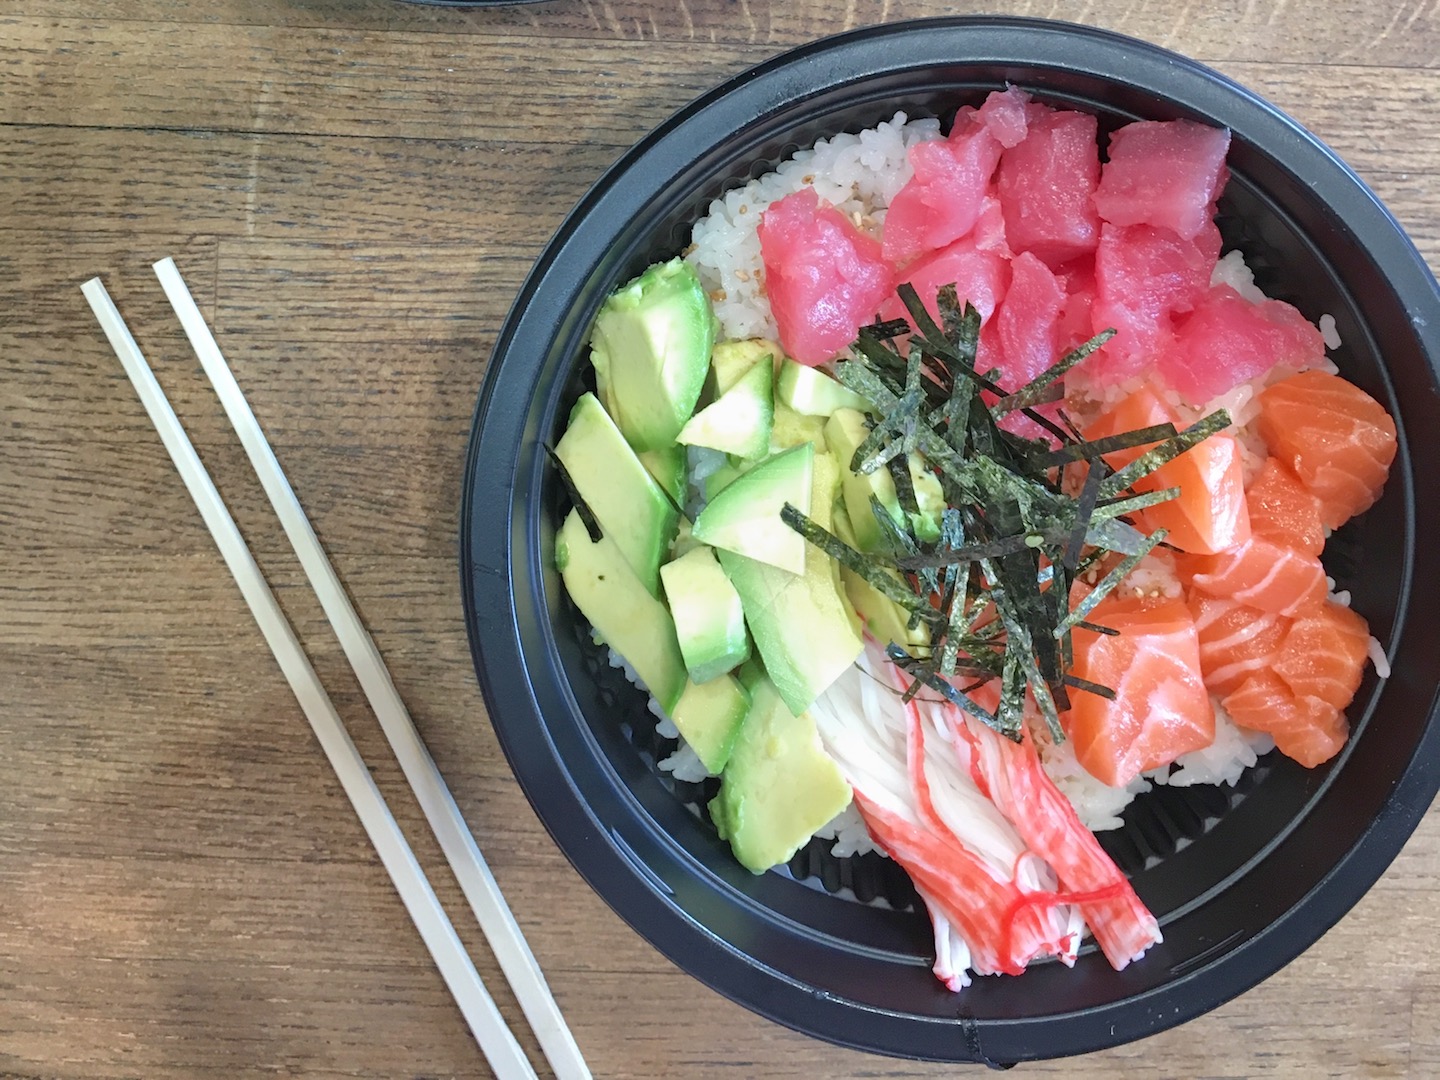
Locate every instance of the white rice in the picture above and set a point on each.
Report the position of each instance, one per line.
(1328, 333)
(1234, 750)
(848, 831)
(1097, 804)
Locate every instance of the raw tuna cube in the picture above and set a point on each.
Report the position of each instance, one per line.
(824, 277)
(1227, 340)
(1073, 326)
(1163, 173)
(1046, 183)
(1005, 114)
(980, 275)
(943, 199)
(1027, 321)
(1144, 277)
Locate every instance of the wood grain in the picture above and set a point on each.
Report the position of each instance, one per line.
(354, 190)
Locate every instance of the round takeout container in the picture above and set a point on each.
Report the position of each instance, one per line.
(1243, 879)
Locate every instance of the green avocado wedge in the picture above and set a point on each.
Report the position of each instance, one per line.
(651, 350)
(778, 786)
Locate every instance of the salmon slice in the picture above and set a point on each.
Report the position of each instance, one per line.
(1337, 439)
(1306, 729)
(1161, 707)
(1210, 513)
(1235, 640)
(1260, 573)
(1323, 655)
(1281, 509)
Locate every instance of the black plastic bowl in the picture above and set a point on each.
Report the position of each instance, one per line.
(1241, 880)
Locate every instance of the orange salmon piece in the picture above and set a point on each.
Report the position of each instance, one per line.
(1281, 509)
(1235, 640)
(1161, 708)
(1210, 513)
(1306, 729)
(1337, 440)
(1260, 573)
(1323, 655)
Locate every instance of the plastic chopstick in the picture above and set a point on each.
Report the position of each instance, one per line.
(488, 1026)
(469, 866)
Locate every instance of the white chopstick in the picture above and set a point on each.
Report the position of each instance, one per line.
(440, 809)
(495, 1038)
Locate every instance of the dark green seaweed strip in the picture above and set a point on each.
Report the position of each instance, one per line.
(1090, 687)
(1166, 452)
(1089, 493)
(1115, 535)
(868, 568)
(1030, 393)
(1094, 448)
(587, 516)
(917, 671)
(993, 549)
(1107, 509)
(885, 329)
(1108, 583)
(1096, 628)
(1011, 712)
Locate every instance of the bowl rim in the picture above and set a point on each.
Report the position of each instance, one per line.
(613, 849)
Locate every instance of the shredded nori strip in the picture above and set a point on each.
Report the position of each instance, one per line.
(1094, 448)
(587, 516)
(864, 565)
(1109, 582)
(1084, 507)
(1033, 392)
(1012, 540)
(1090, 687)
(1166, 452)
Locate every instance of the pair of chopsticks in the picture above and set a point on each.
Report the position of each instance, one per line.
(476, 881)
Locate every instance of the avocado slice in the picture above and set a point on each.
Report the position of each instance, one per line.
(667, 466)
(845, 430)
(739, 420)
(730, 360)
(790, 428)
(626, 500)
(779, 785)
(709, 715)
(804, 627)
(709, 622)
(812, 392)
(885, 620)
(651, 350)
(744, 517)
(600, 581)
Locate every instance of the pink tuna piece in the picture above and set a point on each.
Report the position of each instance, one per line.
(942, 201)
(1144, 277)
(980, 275)
(1163, 173)
(1046, 185)
(825, 279)
(1027, 321)
(1073, 326)
(1227, 340)
(1005, 113)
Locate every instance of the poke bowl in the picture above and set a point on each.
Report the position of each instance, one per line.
(1242, 876)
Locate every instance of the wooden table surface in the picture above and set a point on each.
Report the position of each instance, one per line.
(354, 189)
